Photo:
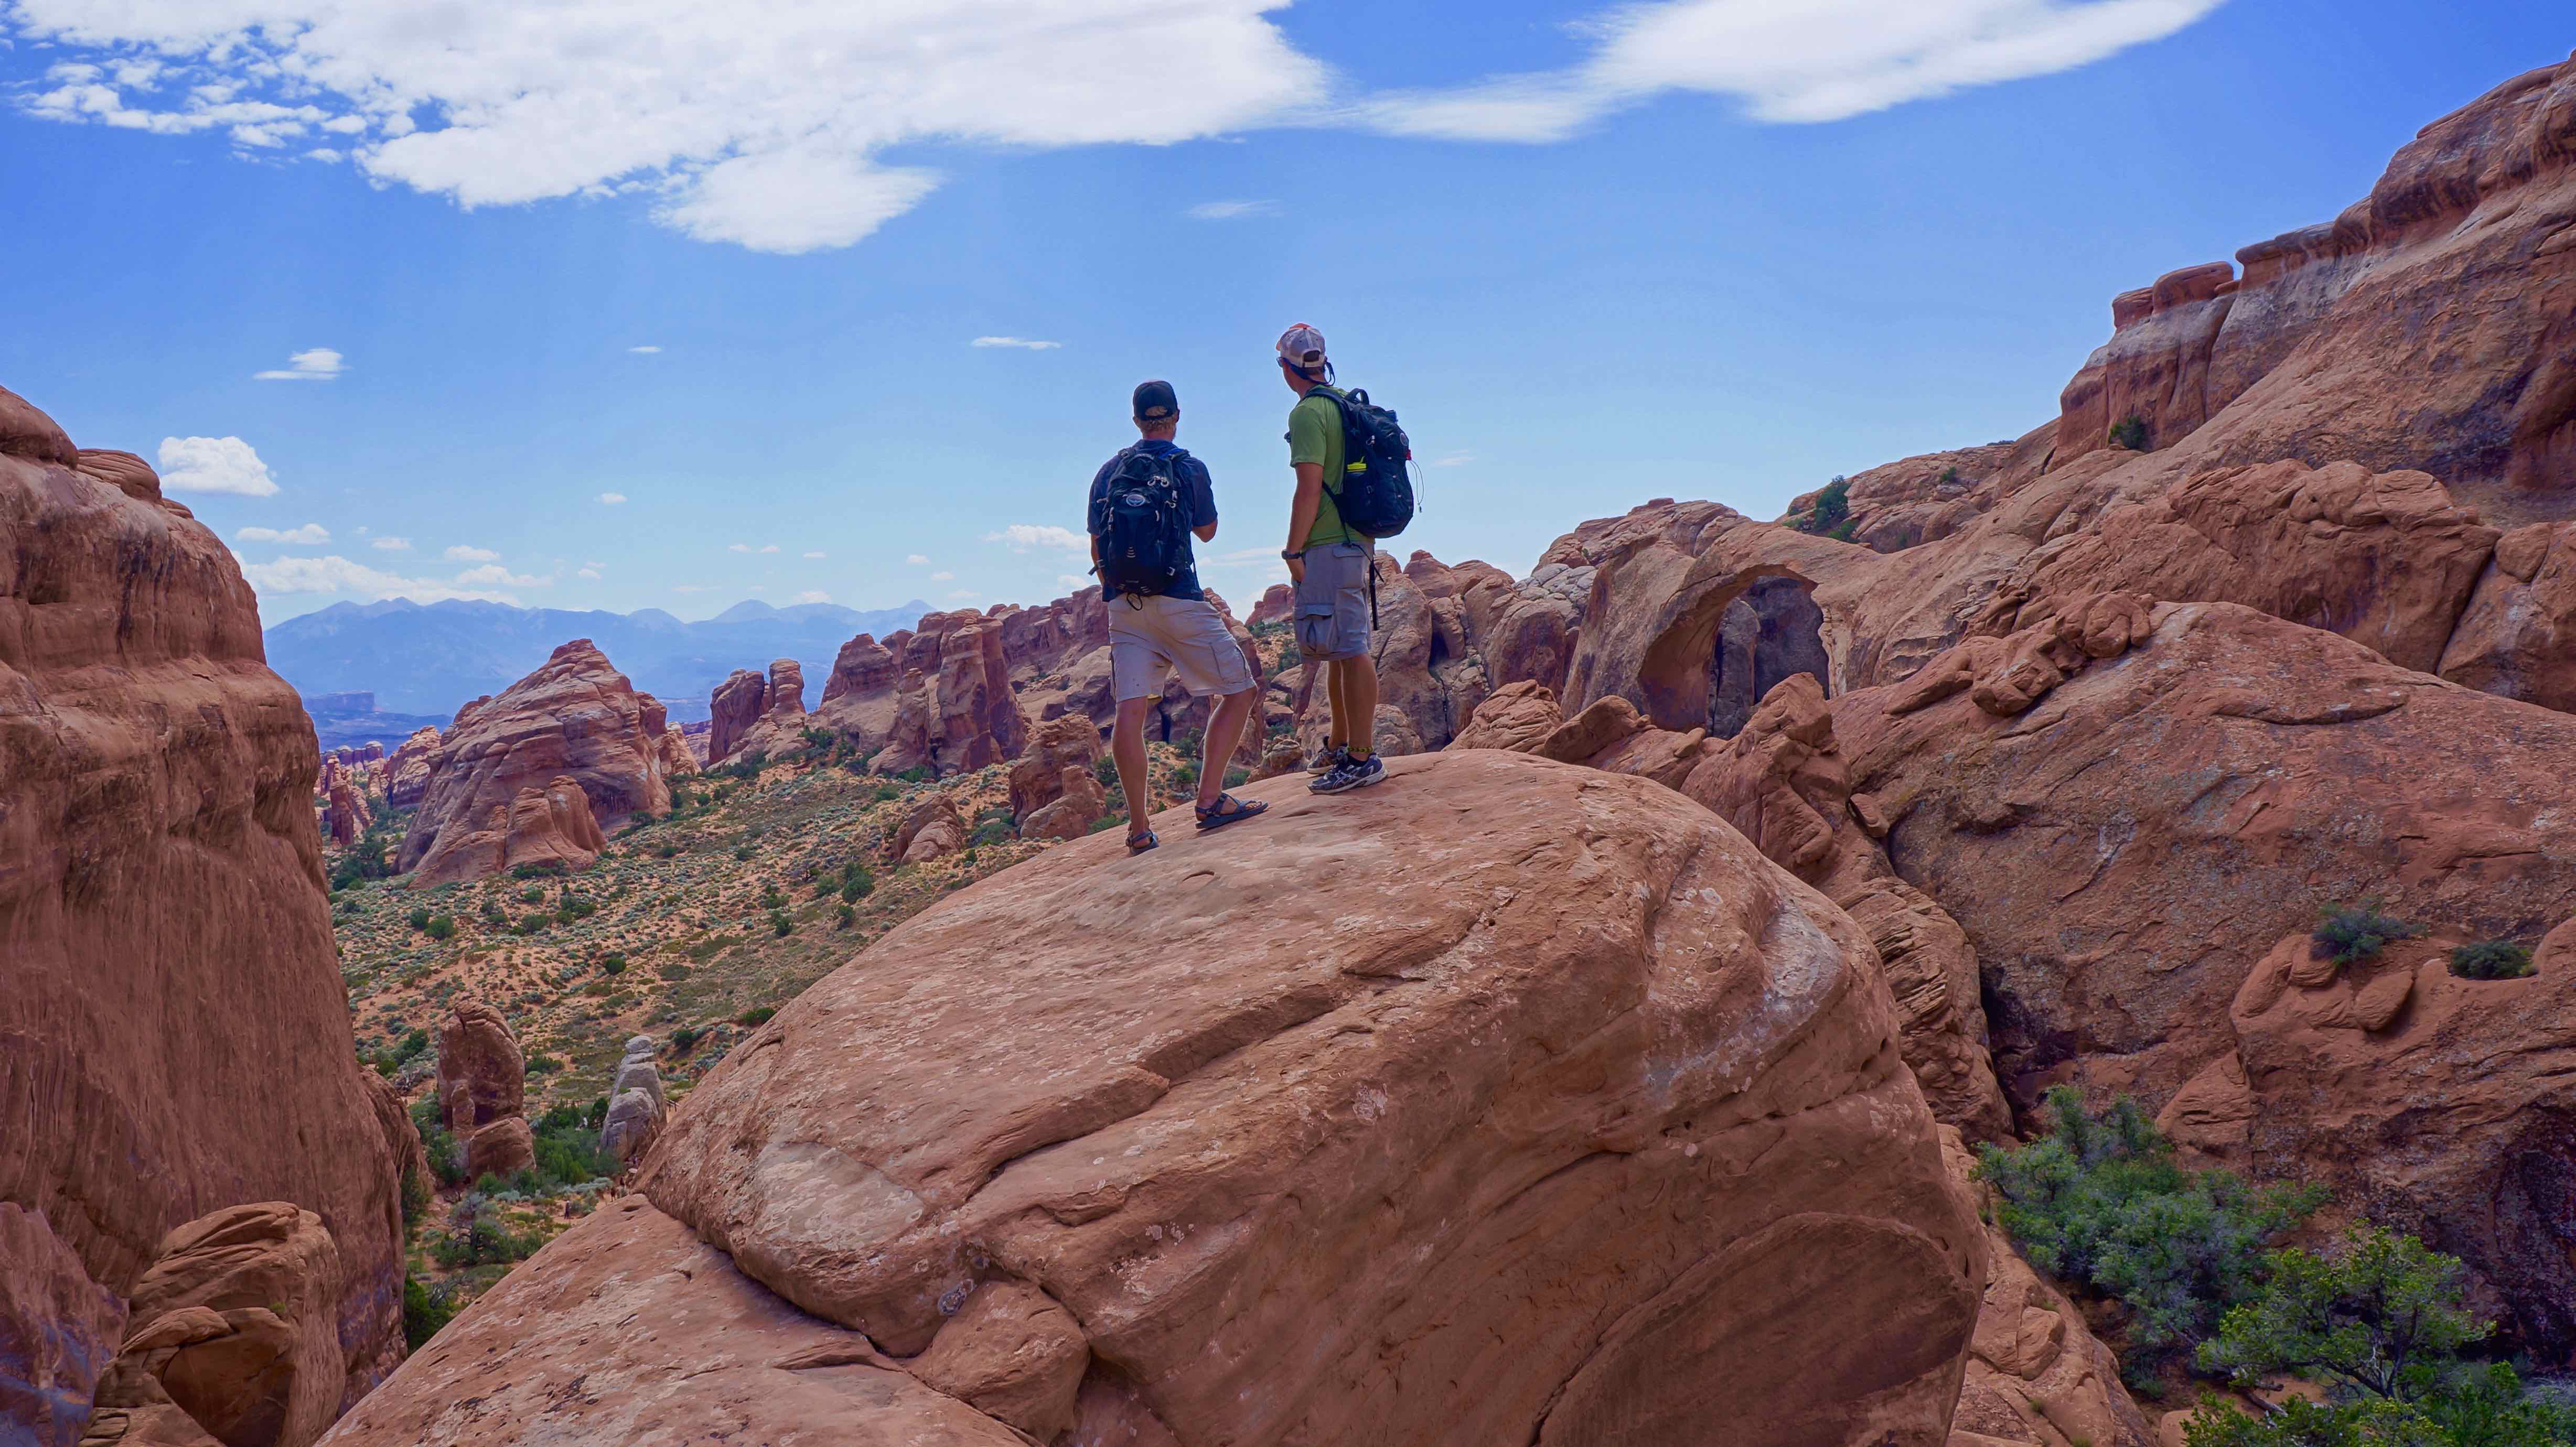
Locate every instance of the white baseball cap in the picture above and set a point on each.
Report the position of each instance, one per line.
(1302, 346)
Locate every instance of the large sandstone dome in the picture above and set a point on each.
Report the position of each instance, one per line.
(1510, 1102)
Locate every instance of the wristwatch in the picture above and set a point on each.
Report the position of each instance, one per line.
(1288, 557)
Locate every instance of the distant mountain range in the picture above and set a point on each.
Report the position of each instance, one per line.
(427, 659)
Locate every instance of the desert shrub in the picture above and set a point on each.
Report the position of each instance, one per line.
(415, 1042)
(575, 910)
(770, 898)
(416, 1197)
(1831, 510)
(781, 923)
(887, 793)
(440, 927)
(419, 918)
(666, 850)
(612, 964)
(1105, 769)
(917, 774)
(2130, 432)
(1106, 821)
(845, 916)
(991, 831)
(2491, 960)
(494, 914)
(684, 1039)
(756, 1015)
(543, 1064)
(1185, 777)
(532, 894)
(568, 1151)
(597, 1115)
(540, 869)
(2382, 1313)
(742, 853)
(1949, 475)
(856, 882)
(426, 1308)
(1236, 778)
(2350, 934)
(2099, 1200)
(479, 1238)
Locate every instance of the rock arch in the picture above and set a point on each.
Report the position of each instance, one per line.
(1726, 646)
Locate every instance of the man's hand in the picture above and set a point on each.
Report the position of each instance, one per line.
(1297, 571)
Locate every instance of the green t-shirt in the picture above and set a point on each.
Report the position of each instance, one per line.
(1315, 435)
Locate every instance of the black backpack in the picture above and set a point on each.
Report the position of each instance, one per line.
(1375, 490)
(1144, 527)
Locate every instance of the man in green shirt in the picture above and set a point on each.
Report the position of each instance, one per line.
(1332, 566)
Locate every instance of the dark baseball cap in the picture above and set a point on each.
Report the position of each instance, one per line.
(1156, 401)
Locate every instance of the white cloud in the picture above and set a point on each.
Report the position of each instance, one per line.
(813, 595)
(321, 364)
(591, 573)
(214, 464)
(1073, 580)
(964, 595)
(306, 535)
(1232, 210)
(643, 351)
(1454, 459)
(943, 577)
(773, 547)
(917, 560)
(612, 498)
(390, 544)
(814, 554)
(1022, 343)
(761, 123)
(1785, 61)
(1024, 536)
(737, 547)
(495, 573)
(461, 553)
(589, 564)
(336, 574)
(691, 587)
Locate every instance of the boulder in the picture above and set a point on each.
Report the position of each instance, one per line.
(232, 1336)
(1071, 742)
(482, 1077)
(1517, 716)
(576, 718)
(1080, 802)
(548, 825)
(635, 1104)
(1278, 605)
(177, 1037)
(349, 814)
(1556, 1112)
(931, 829)
(501, 1149)
(678, 761)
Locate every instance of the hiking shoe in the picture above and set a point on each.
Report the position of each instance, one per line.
(1352, 774)
(1328, 760)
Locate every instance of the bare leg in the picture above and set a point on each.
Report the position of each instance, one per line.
(1224, 731)
(1336, 674)
(1362, 690)
(1127, 746)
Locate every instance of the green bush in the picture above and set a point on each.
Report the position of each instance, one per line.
(781, 923)
(532, 894)
(1105, 769)
(441, 927)
(770, 898)
(820, 740)
(480, 1240)
(540, 869)
(426, 1308)
(684, 1039)
(612, 964)
(1830, 514)
(419, 917)
(2130, 432)
(1106, 821)
(2100, 1201)
(2350, 934)
(757, 1015)
(888, 793)
(845, 916)
(991, 831)
(856, 882)
(917, 774)
(742, 853)
(542, 1064)
(415, 1042)
(2491, 960)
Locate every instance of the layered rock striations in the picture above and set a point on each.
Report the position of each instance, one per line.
(498, 796)
(174, 1041)
(1556, 1114)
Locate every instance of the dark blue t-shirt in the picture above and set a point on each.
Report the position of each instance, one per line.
(1193, 474)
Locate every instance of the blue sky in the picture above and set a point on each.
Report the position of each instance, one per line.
(1696, 248)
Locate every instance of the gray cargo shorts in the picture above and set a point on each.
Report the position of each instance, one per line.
(1150, 639)
(1333, 602)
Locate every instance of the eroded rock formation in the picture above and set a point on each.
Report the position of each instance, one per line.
(635, 1103)
(482, 1091)
(1571, 1115)
(167, 943)
(495, 792)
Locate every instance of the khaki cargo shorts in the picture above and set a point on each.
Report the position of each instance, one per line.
(1333, 601)
(1148, 643)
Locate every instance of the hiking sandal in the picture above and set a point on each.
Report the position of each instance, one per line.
(1217, 816)
(1139, 843)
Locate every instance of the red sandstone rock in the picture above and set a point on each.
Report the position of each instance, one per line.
(1037, 775)
(678, 761)
(1518, 717)
(2518, 635)
(501, 1149)
(177, 1037)
(933, 828)
(2123, 853)
(349, 814)
(1278, 605)
(407, 773)
(233, 1330)
(575, 718)
(1570, 1100)
(1080, 802)
(738, 703)
(482, 1077)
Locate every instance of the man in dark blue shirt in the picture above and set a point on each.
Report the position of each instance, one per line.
(1152, 636)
